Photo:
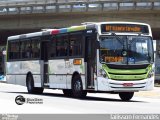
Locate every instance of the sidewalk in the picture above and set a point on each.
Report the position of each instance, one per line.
(155, 93)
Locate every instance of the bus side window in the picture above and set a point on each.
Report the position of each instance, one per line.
(75, 47)
(62, 46)
(25, 49)
(13, 50)
(28, 52)
(10, 53)
(35, 48)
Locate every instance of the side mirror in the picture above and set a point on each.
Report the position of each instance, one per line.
(97, 45)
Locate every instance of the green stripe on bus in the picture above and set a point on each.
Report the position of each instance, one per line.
(128, 77)
(76, 28)
(128, 74)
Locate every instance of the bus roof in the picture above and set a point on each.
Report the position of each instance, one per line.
(114, 22)
(86, 25)
(48, 32)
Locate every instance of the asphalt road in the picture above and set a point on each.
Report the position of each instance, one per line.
(53, 102)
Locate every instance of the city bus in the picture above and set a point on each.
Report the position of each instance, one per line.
(102, 57)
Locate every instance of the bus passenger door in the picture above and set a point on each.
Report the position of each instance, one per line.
(90, 58)
(44, 65)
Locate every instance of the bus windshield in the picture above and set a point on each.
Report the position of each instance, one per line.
(126, 49)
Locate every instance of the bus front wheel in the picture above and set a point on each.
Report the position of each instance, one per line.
(77, 87)
(30, 86)
(126, 96)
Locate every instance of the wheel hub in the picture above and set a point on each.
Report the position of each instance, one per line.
(77, 86)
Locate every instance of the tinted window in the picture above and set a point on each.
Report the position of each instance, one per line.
(30, 48)
(25, 49)
(62, 46)
(35, 45)
(66, 45)
(13, 50)
(75, 47)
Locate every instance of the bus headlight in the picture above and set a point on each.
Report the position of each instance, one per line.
(103, 73)
(151, 73)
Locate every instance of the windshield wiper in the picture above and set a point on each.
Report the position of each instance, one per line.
(118, 38)
(149, 58)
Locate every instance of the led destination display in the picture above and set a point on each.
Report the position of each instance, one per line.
(129, 28)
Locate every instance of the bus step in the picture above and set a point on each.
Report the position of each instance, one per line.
(46, 85)
(90, 87)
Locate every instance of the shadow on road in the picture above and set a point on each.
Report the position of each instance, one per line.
(87, 98)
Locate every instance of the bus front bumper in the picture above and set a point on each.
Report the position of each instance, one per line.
(104, 84)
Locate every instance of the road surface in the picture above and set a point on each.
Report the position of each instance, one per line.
(54, 102)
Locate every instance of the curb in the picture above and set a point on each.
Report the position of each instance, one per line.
(150, 94)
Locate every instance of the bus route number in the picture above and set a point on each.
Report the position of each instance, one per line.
(113, 59)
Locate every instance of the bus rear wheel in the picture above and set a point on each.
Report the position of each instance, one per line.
(77, 87)
(30, 86)
(126, 96)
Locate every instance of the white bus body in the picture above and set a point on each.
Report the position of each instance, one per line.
(71, 59)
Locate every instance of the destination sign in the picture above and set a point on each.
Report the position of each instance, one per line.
(128, 28)
(113, 59)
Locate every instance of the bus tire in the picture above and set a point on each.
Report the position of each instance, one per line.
(126, 96)
(67, 92)
(30, 86)
(77, 87)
